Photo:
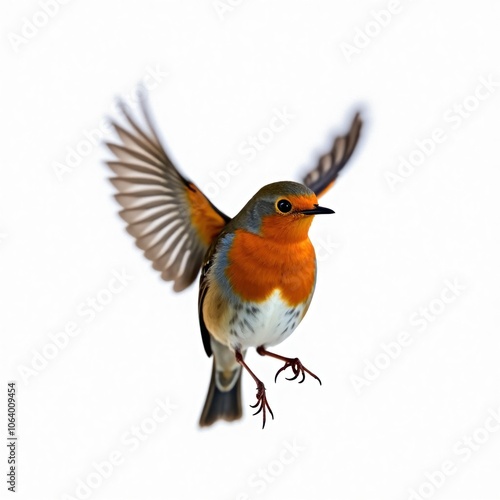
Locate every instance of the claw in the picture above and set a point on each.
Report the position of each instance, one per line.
(262, 403)
(298, 369)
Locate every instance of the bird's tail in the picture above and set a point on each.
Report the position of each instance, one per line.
(224, 397)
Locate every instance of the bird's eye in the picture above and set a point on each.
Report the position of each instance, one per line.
(284, 206)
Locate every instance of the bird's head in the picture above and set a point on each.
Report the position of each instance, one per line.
(281, 210)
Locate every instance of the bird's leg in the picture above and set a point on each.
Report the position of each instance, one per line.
(294, 363)
(262, 403)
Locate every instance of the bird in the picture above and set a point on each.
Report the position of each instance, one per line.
(257, 269)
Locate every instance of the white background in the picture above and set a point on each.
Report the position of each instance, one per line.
(385, 254)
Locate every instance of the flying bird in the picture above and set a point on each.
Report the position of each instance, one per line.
(258, 269)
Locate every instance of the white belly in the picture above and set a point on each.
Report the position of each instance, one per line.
(262, 324)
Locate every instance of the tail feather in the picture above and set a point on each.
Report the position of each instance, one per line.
(221, 405)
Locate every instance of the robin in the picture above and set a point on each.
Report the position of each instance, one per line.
(258, 269)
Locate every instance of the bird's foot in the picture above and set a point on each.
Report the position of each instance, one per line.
(298, 369)
(262, 403)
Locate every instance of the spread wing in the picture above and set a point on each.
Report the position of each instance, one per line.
(171, 220)
(322, 177)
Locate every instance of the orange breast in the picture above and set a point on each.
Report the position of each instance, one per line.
(259, 265)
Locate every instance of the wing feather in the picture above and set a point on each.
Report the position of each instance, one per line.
(170, 219)
(321, 178)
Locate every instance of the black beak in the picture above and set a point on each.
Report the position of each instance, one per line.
(317, 210)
